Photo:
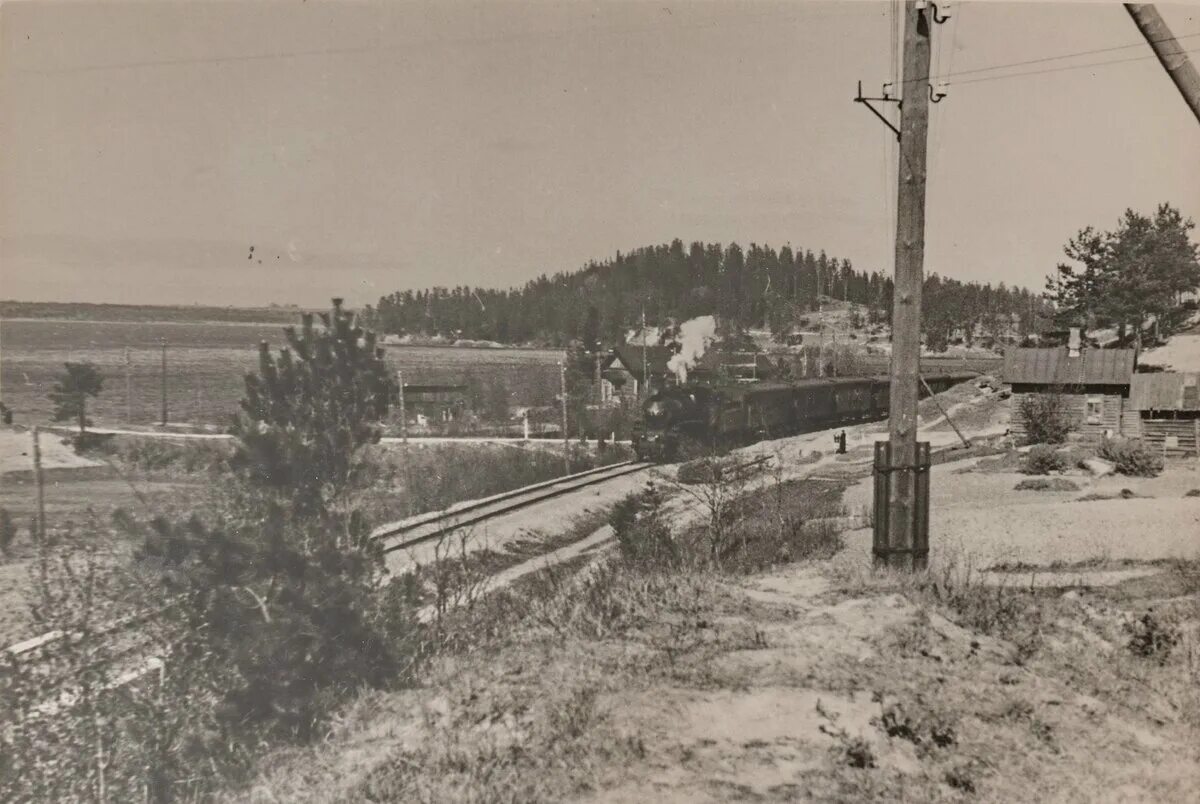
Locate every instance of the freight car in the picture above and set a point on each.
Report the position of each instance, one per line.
(696, 418)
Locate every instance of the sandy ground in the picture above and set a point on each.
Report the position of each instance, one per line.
(762, 724)
(979, 520)
(753, 689)
(16, 452)
(1182, 353)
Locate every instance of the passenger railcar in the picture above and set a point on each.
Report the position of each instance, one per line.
(689, 418)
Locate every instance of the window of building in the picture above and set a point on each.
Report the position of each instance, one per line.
(1095, 409)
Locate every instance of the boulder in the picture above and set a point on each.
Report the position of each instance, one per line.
(1098, 466)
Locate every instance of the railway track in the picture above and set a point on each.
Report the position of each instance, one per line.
(428, 527)
(407, 533)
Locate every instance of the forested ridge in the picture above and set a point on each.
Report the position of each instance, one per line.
(754, 287)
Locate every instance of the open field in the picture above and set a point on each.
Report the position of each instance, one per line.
(147, 477)
(206, 363)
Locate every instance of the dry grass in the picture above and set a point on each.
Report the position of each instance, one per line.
(1047, 484)
(582, 684)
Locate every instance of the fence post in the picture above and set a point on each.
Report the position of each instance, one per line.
(128, 387)
(164, 382)
(883, 457)
(39, 482)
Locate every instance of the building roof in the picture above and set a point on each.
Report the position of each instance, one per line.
(1056, 367)
(736, 364)
(630, 358)
(1165, 390)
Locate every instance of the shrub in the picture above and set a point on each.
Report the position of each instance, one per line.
(1043, 459)
(1047, 484)
(641, 533)
(155, 455)
(1131, 457)
(96, 443)
(1153, 637)
(1046, 418)
(700, 470)
(8, 531)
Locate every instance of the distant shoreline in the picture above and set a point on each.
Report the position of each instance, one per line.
(142, 322)
(269, 324)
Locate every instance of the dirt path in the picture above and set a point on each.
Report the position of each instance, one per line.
(16, 452)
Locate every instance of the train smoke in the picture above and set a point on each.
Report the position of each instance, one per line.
(694, 337)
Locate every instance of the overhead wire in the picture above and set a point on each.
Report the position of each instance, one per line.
(1059, 57)
(889, 142)
(952, 34)
(1064, 68)
(408, 45)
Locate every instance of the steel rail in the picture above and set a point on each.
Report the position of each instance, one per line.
(443, 521)
(437, 524)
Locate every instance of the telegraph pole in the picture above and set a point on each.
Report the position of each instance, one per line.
(128, 387)
(645, 368)
(164, 382)
(562, 384)
(900, 546)
(403, 416)
(1171, 55)
(40, 535)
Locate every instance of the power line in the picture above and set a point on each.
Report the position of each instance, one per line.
(1045, 59)
(407, 45)
(1059, 69)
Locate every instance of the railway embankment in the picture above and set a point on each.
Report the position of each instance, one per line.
(1044, 655)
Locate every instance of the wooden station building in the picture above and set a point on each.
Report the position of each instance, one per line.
(1096, 383)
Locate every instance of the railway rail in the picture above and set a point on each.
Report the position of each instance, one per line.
(42, 649)
(427, 527)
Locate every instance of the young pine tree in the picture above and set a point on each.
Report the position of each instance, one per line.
(283, 583)
(78, 382)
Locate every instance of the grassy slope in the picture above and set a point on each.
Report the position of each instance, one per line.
(811, 682)
(790, 685)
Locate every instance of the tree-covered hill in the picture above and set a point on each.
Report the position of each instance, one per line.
(754, 287)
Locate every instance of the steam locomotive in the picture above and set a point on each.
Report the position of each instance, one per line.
(690, 418)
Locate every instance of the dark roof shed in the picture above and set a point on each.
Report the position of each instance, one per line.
(1057, 367)
(1167, 390)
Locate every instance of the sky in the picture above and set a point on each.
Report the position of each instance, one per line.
(362, 148)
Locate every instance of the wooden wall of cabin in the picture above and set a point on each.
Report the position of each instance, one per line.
(1110, 416)
(1173, 437)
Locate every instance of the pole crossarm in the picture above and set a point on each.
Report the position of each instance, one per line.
(885, 99)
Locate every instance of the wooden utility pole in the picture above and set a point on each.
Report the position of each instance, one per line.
(562, 384)
(1171, 54)
(645, 366)
(40, 484)
(599, 379)
(403, 415)
(901, 548)
(128, 387)
(164, 382)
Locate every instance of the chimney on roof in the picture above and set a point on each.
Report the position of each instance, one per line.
(1073, 343)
